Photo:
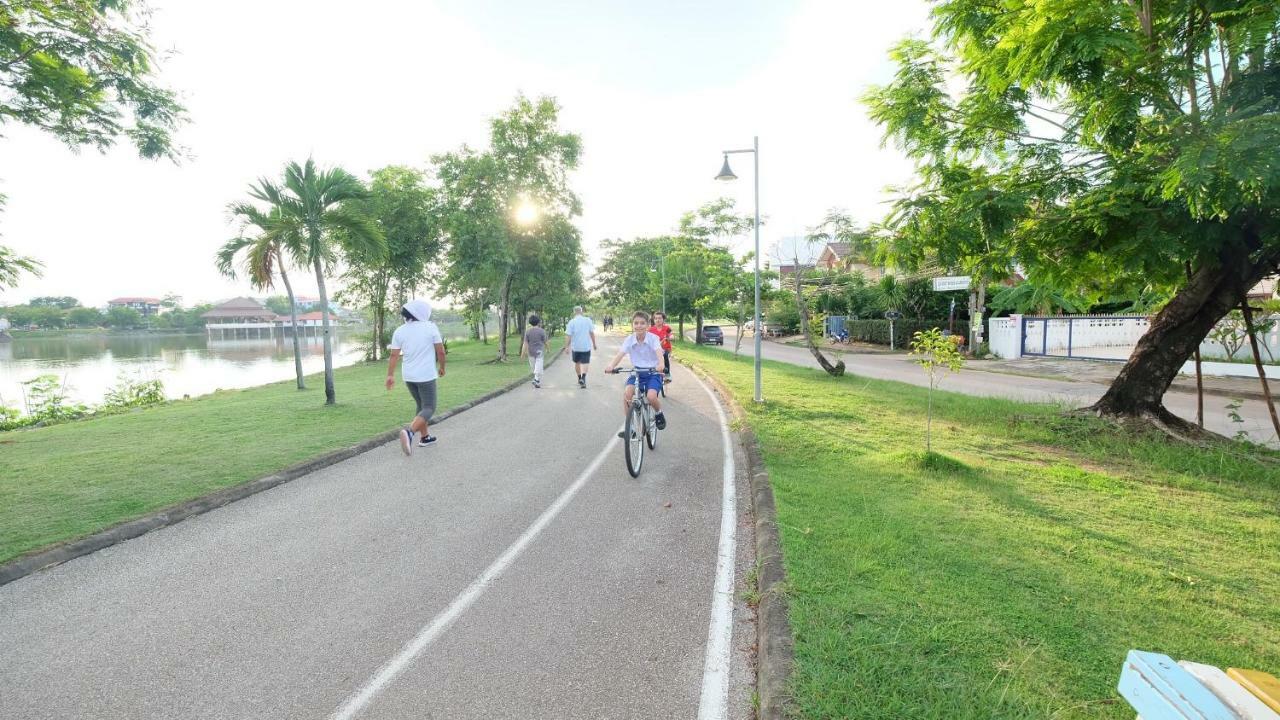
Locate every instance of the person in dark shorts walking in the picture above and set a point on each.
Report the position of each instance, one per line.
(535, 343)
(418, 343)
(582, 340)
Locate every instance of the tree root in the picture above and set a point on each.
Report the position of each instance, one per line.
(1175, 429)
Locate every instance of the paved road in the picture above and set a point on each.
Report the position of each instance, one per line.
(467, 581)
(885, 366)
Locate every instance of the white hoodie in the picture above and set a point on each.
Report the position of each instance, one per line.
(416, 340)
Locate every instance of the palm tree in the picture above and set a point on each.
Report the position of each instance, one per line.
(316, 200)
(264, 256)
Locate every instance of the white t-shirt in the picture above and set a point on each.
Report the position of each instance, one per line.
(646, 353)
(416, 342)
(579, 332)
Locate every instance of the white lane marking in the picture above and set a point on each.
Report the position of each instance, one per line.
(714, 703)
(356, 702)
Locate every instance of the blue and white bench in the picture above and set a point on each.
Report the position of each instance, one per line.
(1160, 689)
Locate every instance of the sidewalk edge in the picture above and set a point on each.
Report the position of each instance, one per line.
(25, 565)
(775, 647)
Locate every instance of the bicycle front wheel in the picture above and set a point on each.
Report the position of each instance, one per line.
(650, 429)
(633, 442)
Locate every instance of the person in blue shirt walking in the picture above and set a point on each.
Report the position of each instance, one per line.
(582, 340)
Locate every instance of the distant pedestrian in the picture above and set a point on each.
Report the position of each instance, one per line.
(418, 341)
(582, 340)
(535, 342)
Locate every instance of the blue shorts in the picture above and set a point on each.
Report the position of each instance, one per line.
(649, 380)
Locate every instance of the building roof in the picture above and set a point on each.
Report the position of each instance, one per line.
(1266, 288)
(839, 249)
(315, 315)
(128, 300)
(240, 307)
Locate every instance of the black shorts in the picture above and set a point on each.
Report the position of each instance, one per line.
(582, 356)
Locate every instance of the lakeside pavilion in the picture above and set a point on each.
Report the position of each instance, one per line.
(245, 318)
(240, 318)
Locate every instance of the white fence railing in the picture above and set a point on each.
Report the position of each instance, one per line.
(1010, 337)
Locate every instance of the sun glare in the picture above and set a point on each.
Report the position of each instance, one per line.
(527, 213)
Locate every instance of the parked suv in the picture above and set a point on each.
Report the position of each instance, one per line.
(712, 335)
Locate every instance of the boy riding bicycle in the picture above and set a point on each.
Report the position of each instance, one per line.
(645, 350)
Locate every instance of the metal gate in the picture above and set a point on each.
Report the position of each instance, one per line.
(1087, 337)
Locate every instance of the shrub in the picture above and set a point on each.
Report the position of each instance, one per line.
(130, 393)
(904, 329)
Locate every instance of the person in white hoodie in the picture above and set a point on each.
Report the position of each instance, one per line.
(419, 343)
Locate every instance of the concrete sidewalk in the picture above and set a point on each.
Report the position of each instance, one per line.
(292, 602)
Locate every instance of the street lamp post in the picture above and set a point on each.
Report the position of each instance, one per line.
(662, 263)
(727, 174)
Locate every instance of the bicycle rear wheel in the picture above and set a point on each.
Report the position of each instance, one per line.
(633, 441)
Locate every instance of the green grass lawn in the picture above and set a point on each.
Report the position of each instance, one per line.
(67, 481)
(1007, 576)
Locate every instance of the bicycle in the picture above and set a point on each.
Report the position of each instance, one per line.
(640, 428)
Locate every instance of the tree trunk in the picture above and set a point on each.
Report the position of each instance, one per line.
(741, 320)
(833, 370)
(1257, 363)
(697, 326)
(293, 317)
(1177, 331)
(680, 324)
(330, 397)
(503, 321)
(982, 310)
(1199, 376)
(379, 308)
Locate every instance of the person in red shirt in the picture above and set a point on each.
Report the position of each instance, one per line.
(663, 331)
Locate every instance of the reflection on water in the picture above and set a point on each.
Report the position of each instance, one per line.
(187, 364)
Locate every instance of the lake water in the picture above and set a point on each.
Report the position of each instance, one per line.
(187, 364)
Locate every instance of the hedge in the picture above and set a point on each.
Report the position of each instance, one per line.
(877, 331)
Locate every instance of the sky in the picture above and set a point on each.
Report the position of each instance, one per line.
(655, 89)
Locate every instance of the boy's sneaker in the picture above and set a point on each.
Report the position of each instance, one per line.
(622, 434)
(406, 440)
(536, 384)
(660, 420)
(427, 440)
(582, 381)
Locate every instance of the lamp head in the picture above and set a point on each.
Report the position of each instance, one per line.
(725, 172)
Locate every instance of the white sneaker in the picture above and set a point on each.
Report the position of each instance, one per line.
(406, 440)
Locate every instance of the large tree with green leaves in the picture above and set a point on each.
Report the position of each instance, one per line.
(404, 208)
(1127, 143)
(13, 266)
(321, 203)
(267, 242)
(527, 164)
(81, 70)
(630, 275)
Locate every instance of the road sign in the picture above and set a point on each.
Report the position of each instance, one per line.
(954, 282)
(892, 314)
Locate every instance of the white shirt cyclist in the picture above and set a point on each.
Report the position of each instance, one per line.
(645, 354)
